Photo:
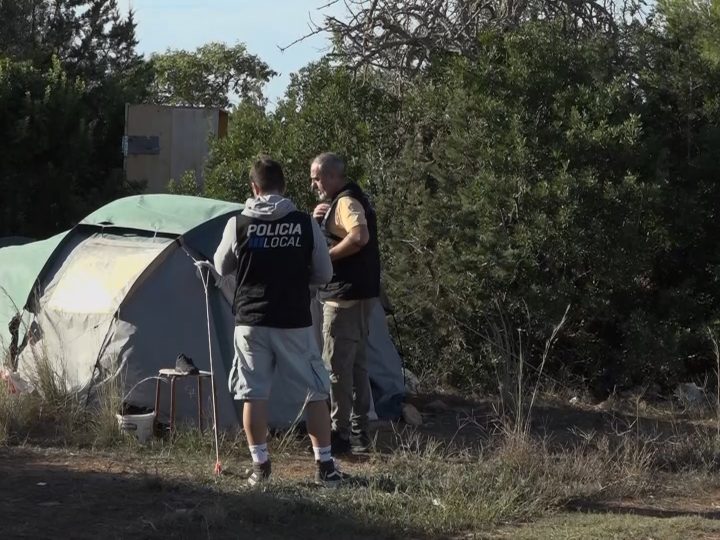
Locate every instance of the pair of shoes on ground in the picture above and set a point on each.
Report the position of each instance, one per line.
(327, 474)
(359, 441)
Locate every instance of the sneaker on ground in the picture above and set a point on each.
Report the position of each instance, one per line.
(328, 474)
(338, 444)
(360, 441)
(260, 473)
(184, 365)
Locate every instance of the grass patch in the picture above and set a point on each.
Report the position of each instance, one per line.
(17, 413)
(604, 527)
(55, 414)
(443, 493)
(421, 488)
(425, 490)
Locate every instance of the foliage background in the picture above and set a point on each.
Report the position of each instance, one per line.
(548, 164)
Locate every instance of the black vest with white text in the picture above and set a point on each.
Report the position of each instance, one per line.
(274, 264)
(357, 276)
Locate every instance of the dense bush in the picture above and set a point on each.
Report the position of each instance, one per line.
(551, 168)
(67, 68)
(541, 162)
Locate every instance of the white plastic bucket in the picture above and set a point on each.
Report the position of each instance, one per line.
(138, 425)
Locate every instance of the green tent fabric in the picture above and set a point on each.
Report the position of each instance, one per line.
(118, 297)
(169, 214)
(19, 268)
(7, 241)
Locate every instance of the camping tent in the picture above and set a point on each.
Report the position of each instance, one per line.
(6, 241)
(119, 296)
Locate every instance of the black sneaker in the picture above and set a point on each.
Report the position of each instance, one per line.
(260, 473)
(339, 444)
(360, 441)
(185, 365)
(328, 475)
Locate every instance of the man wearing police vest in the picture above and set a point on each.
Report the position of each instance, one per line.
(348, 221)
(276, 253)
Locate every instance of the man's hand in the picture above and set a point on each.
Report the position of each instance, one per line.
(320, 210)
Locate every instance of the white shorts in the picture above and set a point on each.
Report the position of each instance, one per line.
(288, 358)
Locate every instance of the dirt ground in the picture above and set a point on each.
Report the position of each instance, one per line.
(49, 493)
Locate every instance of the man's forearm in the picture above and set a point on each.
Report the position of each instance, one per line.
(346, 247)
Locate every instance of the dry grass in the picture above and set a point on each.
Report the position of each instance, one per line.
(422, 488)
(508, 354)
(17, 413)
(101, 421)
(50, 407)
(57, 414)
(516, 479)
(425, 488)
(604, 526)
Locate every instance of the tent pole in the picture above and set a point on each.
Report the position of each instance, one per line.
(200, 264)
(218, 465)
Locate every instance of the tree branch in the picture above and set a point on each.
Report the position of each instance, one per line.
(403, 35)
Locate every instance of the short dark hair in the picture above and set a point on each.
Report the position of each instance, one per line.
(267, 174)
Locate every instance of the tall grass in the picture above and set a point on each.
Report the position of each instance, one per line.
(517, 396)
(18, 412)
(102, 424)
(424, 485)
(716, 351)
(54, 412)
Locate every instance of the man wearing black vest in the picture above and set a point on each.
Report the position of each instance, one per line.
(276, 253)
(348, 221)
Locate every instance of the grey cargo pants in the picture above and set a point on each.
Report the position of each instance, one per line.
(345, 332)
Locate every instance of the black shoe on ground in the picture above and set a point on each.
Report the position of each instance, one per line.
(328, 475)
(260, 473)
(339, 444)
(360, 441)
(185, 365)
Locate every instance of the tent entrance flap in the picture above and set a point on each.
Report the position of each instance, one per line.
(77, 308)
(99, 273)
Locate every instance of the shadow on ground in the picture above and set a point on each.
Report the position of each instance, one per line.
(593, 507)
(468, 424)
(44, 498)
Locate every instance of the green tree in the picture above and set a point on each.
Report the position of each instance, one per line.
(251, 132)
(186, 185)
(554, 165)
(89, 37)
(209, 76)
(47, 146)
(325, 108)
(82, 51)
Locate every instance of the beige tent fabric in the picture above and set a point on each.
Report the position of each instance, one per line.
(78, 305)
